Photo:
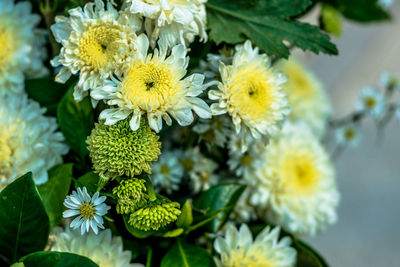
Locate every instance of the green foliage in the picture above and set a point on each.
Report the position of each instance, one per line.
(24, 222)
(359, 10)
(56, 259)
(55, 190)
(183, 254)
(186, 217)
(76, 121)
(221, 197)
(89, 180)
(307, 256)
(47, 92)
(330, 20)
(266, 23)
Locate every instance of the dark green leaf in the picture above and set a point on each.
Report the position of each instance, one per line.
(89, 180)
(359, 10)
(267, 25)
(186, 255)
(47, 92)
(24, 222)
(307, 256)
(186, 217)
(56, 259)
(220, 197)
(55, 190)
(76, 121)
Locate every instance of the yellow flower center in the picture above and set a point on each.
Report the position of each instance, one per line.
(370, 102)
(7, 47)
(187, 164)
(349, 134)
(99, 45)
(251, 92)
(86, 210)
(240, 258)
(150, 85)
(246, 160)
(299, 173)
(165, 169)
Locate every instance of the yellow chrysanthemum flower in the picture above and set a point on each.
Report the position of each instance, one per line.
(299, 180)
(20, 51)
(95, 42)
(153, 85)
(306, 96)
(251, 93)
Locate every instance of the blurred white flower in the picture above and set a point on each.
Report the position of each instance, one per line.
(306, 95)
(372, 102)
(299, 180)
(390, 80)
(237, 248)
(386, 3)
(167, 172)
(90, 210)
(153, 85)
(210, 66)
(95, 43)
(103, 249)
(20, 40)
(348, 135)
(175, 22)
(201, 170)
(214, 131)
(251, 93)
(28, 140)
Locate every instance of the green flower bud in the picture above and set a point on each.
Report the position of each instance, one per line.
(155, 214)
(116, 150)
(131, 195)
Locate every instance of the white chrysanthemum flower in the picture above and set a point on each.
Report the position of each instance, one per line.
(95, 43)
(348, 135)
(210, 67)
(251, 92)
(390, 80)
(153, 85)
(174, 22)
(245, 210)
(306, 96)
(299, 180)
(238, 248)
(214, 131)
(19, 38)
(167, 172)
(243, 163)
(88, 209)
(28, 140)
(103, 249)
(372, 102)
(200, 169)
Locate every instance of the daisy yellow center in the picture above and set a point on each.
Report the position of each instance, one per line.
(246, 160)
(86, 210)
(7, 47)
(349, 134)
(150, 85)
(165, 169)
(99, 45)
(299, 173)
(251, 92)
(187, 164)
(370, 102)
(240, 258)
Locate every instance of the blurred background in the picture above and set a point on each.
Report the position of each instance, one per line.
(367, 233)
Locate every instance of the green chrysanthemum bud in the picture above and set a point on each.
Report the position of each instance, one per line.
(116, 150)
(131, 195)
(155, 214)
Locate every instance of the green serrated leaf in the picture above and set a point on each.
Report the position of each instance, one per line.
(186, 217)
(24, 222)
(221, 197)
(56, 259)
(183, 254)
(76, 121)
(54, 191)
(267, 25)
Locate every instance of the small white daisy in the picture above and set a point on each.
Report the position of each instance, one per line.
(237, 248)
(153, 85)
(348, 135)
(175, 22)
(167, 172)
(390, 80)
(89, 209)
(372, 102)
(214, 131)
